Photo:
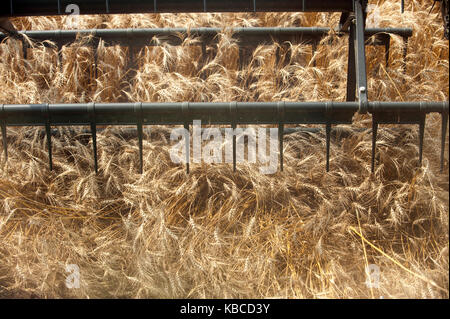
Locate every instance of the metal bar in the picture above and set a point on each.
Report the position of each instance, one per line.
(351, 69)
(360, 57)
(14, 8)
(214, 113)
(280, 113)
(250, 35)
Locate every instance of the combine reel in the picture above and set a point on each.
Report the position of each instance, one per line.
(233, 113)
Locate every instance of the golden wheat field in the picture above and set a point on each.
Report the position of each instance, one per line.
(215, 233)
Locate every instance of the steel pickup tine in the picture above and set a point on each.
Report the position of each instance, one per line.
(314, 50)
(234, 148)
(24, 49)
(5, 144)
(405, 53)
(3, 123)
(444, 116)
(204, 54)
(185, 111)
(233, 107)
(387, 46)
(421, 136)
(374, 140)
(95, 66)
(48, 133)
(141, 155)
(278, 55)
(91, 109)
(328, 133)
(60, 57)
(187, 140)
(138, 112)
(328, 112)
(281, 112)
(280, 137)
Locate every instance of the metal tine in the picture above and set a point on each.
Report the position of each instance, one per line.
(204, 54)
(131, 56)
(60, 57)
(443, 134)
(94, 145)
(405, 53)
(277, 55)
(91, 110)
(49, 145)
(5, 144)
(421, 136)
(233, 108)
(328, 133)
(204, 60)
(95, 63)
(387, 47)
(187, 141)
(234, 147)
(374, 140)
(185, 112)
(24, 49)
(280, 137)
(281, 111)
(131, 62)
(3, 124)
(314, 49)
(328, 110)
(49, 138)
(138, 113)
(141, 153)
(288, 54)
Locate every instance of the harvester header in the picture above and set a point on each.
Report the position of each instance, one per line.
(352, 24)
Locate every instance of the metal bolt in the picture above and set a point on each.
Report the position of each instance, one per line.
(362, 89)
